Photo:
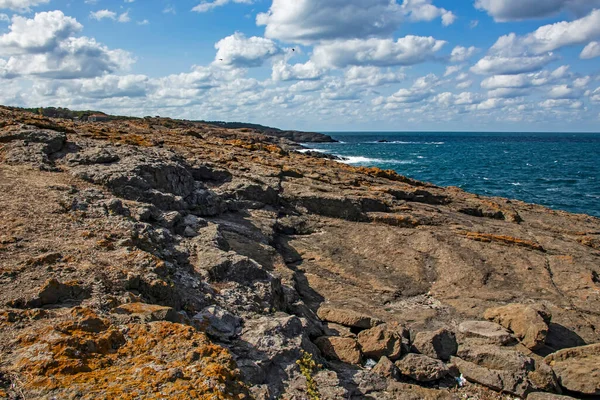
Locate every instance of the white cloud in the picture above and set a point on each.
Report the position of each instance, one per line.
(551, 37)
(452, 69)
(45, 46)
(20, 5)
(499, 65)
(124, 17)
(239, 51)
(423, 10)
(206, 6)
(516, 10)
(592, 50)
(282, 71)
(311, 21)
(408, 50)
(462, 54)
(103, 14)
(308, 21)
(372, 76)
(4, 18)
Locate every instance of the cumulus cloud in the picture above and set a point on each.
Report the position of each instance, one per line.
(423, 10)
(408, 50)
(103, 14)
(592, 50)
(46, 46)
(239, 51)
(308, 21)
(462, 54)
(21, 5)
(516, 10)
(551, 37)
(282, 71)
(210, 5)
(372, 76)
(499, 65)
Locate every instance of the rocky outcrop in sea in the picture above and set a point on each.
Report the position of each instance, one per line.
(152, 258)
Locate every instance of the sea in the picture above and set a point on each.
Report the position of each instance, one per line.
(557, 170)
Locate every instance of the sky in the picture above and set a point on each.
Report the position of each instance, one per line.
(323, 65)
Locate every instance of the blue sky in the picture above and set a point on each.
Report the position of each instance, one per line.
(488, 65)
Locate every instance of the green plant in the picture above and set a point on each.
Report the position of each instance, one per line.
(308, 366)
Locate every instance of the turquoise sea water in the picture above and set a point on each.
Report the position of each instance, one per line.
(557, 170)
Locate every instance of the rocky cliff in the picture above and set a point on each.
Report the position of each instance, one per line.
(153, 258)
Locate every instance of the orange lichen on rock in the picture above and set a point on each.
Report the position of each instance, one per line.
(394, 219)
(489, 238)
(91, 359)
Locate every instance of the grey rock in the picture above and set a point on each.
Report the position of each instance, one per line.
(219, 323)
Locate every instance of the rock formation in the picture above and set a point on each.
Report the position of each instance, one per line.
(154, 258)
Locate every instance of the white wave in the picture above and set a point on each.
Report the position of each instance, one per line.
(367, 160)
(315, 150)
(515, 184)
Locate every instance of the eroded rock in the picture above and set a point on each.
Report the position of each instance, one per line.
(382, 340)
(529, 324)
(348, 318)
(440, 344)
(340, 348)
(578, 369)
(422, 368)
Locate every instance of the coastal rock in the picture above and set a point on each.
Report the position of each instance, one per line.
(386, 368)
(578, 369)
(340, 348)
(348, 318)
(488, 332)
(382, 340)
(440, 344)
(529, 324)
(547, 396)
(499, 380)
(422, 368)
(148, 312)
(219, 323)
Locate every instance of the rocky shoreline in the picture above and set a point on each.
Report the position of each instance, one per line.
(153, 258)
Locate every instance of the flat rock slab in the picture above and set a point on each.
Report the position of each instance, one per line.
(148, 312)
(487, 331)
(348, 318)
(578, 369)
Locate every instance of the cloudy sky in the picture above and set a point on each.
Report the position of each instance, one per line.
(487, 65)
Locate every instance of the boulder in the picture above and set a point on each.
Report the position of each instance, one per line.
(489, 332)
(340, 348)
(219, 323)
(440, 344)
(381, 341)
(422, 368)
(497, 358)
(498, 380)
(349, 318)
(333, 329)
(529, 324)
(578, 369)
(148, 312)
(386, 368)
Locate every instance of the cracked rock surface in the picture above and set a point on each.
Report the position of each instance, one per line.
(154, 258)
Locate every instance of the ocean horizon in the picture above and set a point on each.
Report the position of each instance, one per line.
(554, 169)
